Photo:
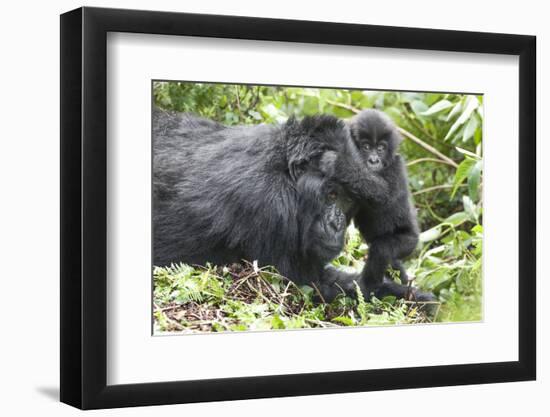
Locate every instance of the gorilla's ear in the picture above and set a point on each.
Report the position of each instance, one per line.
(296, 167)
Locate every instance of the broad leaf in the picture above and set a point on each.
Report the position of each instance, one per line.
(466, 152)
(474, 178)
(470, 129)
(470, 207)
(454, 112)
(437, 107)
(462, 172)
(471, 105)
(430, 234)
(457, 218)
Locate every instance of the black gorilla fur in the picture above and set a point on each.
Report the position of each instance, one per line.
(389, 226)
(279, 194)
(223, 194)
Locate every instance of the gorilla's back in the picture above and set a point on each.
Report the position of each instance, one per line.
(210, 184)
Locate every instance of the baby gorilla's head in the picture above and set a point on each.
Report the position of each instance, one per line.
(376, 137)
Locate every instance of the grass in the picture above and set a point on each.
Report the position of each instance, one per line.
(245, 297)
(238, 297)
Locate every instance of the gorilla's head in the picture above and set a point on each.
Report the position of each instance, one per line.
(376, 137)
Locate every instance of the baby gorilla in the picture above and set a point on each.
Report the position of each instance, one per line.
(382, 209)
(389, 226)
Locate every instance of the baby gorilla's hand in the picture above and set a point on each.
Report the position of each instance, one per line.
(327, 164)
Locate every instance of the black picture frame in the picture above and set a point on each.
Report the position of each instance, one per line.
(84, 221)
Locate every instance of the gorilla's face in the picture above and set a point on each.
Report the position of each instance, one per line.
(376, 137)
(323, 209)
(329, 229)
(374, 153)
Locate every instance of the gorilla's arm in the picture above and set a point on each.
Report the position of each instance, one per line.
(334, 282)
(391, 229)
(387, 250)
(347, 168)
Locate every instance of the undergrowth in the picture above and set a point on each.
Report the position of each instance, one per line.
(237, 297)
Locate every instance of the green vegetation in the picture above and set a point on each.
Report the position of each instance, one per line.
(442, 145)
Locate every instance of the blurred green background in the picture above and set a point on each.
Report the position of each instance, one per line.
(443, 149)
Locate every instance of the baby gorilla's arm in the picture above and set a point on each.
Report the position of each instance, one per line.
(347, 169)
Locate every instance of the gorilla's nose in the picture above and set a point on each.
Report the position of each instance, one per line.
(373, 160)
(334, 224)
(337, 222)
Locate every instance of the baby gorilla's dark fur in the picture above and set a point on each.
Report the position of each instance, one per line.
(389, 226)
(382, 208)
(224, 194)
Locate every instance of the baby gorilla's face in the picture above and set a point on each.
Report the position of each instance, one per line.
(374, 153)
(375, 136)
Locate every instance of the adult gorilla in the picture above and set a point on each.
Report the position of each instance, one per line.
(223, 194)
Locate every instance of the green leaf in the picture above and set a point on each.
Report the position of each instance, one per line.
(462, 172)
(436, 250)
(295, 323)
(412, 96)
(477, 136)
(471, 104)
(362, 308)
(478, 229)
(474, 178)
(480, 111)
(455, 111)
(437, 107)
(430, 234)
(457, 218)
(468, 153)
(345, 320)
(389, 299)
(470, 129)
(436, 279)
(419, 107)
(255, 114)
(218, 327)
(470, 207)
(277, 322)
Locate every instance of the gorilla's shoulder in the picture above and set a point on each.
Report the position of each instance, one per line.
(317, 124)
(166, 120)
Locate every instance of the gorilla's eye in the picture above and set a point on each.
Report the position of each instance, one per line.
(366, 146)
(381, 147)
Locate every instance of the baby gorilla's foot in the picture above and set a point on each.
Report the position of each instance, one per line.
(409, 293)
(426, 300)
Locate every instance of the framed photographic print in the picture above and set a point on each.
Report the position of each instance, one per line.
(257, 208)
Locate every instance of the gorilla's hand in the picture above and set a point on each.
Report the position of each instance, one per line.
(327, 164)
